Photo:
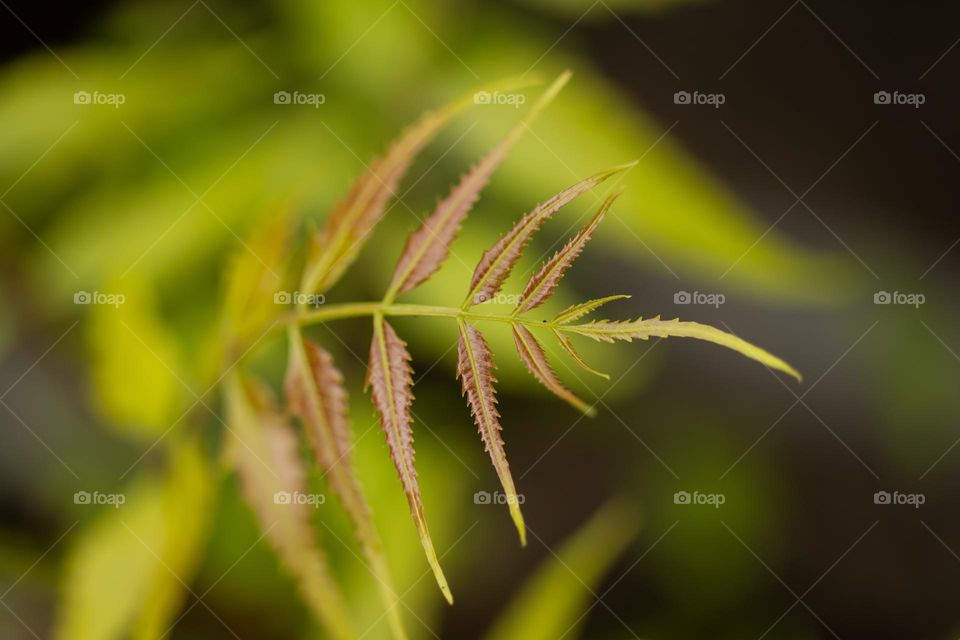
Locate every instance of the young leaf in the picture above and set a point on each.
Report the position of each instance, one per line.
(535, 359)
(350, 222)
(556, 599)
(475, 370)
(263, 449)
(610, 331)
(542, 284)
(496, 262)
(429, 246)
(315, 392)
(391, 380)
(577, 311)
(568, 347)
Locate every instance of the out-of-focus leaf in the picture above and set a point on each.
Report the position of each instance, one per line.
(316, 394)
(254, 277)
(350, 222)
(429, 246)
(553, 602)
(124, 573)
(187, 505)
(134, 358)
(263, 448)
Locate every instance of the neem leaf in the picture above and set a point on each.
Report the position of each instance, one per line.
(627, 330)
(568, 347)
(542, 284)
(475, 370)
(428, 247)
(391, 381)
(315, 392)
(577, 311)
(263, 448)
(496, 263)
(349, 224)
(554, 601)
(535, 359)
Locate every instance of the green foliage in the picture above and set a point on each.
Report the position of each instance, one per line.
(126, 574)
(554, 601)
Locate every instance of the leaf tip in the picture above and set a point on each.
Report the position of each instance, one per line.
(517, 517)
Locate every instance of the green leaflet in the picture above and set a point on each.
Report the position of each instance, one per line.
(555, 600)
(610, 331)
(135, 366)
(125, 574)
(577, 311)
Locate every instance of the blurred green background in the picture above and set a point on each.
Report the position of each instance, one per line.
(800, 200)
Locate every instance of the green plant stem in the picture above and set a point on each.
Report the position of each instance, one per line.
(360, 309)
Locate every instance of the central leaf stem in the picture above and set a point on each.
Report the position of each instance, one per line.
(360, 309)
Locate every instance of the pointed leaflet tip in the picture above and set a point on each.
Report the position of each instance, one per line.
(497, 261)
(568, 347)
(391, 381)
(428, 246)
(640, 329)
(315, 393)
(534, 358)
(543, 283)
(475, 370)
